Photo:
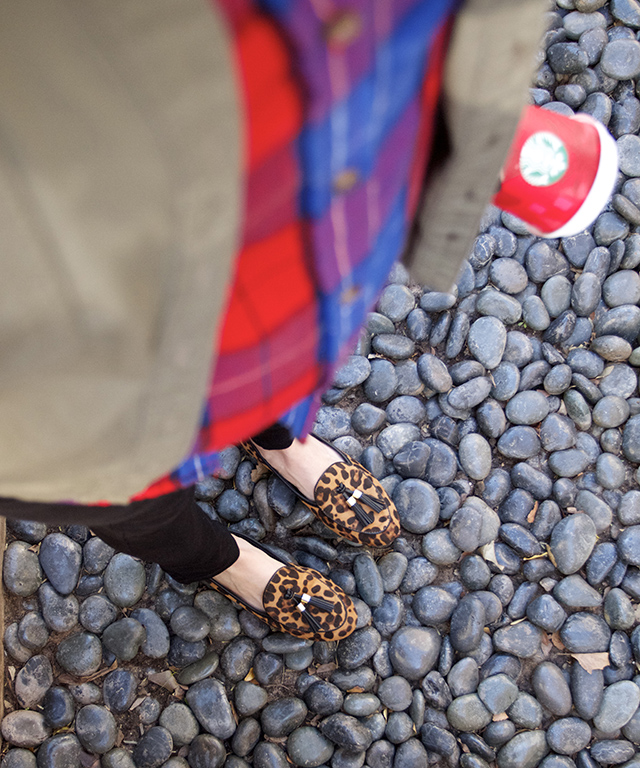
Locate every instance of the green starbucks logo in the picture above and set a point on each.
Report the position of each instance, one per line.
(543, 159)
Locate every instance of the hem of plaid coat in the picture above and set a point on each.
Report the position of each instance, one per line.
(352, 127)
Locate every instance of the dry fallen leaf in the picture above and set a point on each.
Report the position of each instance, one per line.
(68, 679)
(167, 681)
(101, 673)
(137, 702)
(532, 515)
(592, 661)
(500, 716)
(555, 639)
(356, 689)
(489, 553)
(551, 557)
(323, 668)
(250, 675)
(259, 472)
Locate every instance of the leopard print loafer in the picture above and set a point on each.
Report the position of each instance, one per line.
(348, 500)
(301, 602)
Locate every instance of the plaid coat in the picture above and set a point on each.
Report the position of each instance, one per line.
(138, 228)
(339, 105)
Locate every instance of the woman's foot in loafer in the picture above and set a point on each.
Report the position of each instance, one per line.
(250, 574)
(302, 463)
(339, 491)
(289, 598)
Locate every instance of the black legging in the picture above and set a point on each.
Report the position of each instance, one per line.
(171, 530)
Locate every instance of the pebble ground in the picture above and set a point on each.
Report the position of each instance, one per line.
(503, 627)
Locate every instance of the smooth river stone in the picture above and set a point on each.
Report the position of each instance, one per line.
(619, 704)
(468, 713)
(487, 341)
(24, 728)
(124, 580)
(524, 750)
(551, 688)
(572, 541)
(414, 651)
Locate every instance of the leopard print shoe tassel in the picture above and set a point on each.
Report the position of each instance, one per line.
(304, 599)
(354, 497)
(316, 602)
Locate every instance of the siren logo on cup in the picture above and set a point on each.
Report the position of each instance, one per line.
(543, 159)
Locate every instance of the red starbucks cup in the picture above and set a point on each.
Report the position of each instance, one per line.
(559, 173)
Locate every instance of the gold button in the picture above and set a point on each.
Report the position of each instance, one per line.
(345, 180)
(343, 28)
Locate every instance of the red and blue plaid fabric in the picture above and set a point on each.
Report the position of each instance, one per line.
(339, 100)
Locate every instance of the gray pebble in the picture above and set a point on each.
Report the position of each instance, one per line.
(418, 506)
(209, 703)
(572, 541)
(487, 340)
(354, 372)
(527, 408)
(156, 641)
(380, 385)
(80, 654)
(96, 613)
(521, 640)
(395, 302)
(58, 706)
(149, 710)
(468, 713)
(206, 751)
(346, 732)
(629, 545)
(119, 690)
(124, 638)
(179, 721)
(249, 698)
(33, 681)
(394, 437)
(60, 558)
(124, 580)
(551, 688)
(467, 624)
(120, 758)
(519, 443)
(526, 711)
(32, 631)
(506, 380)
(153, 749)
(368, 580)
(621, 59)
(414, 651)
(308, 748)
(433, 605)
(24, 728)
(619, 704)
(21, 569)
(585, 633)
(524, 750)
(96, 728)
(356, 649)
